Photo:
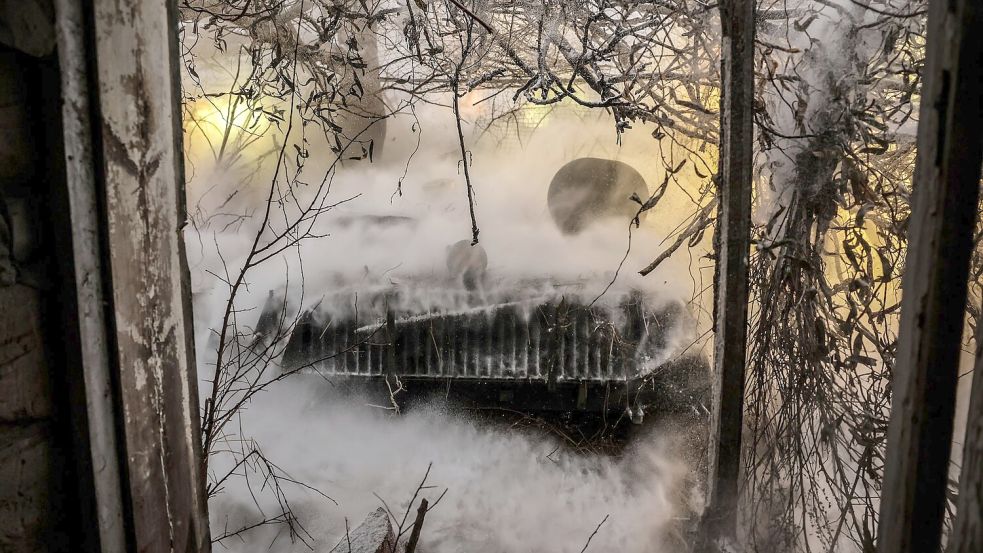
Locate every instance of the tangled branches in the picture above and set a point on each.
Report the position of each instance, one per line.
(837, 155)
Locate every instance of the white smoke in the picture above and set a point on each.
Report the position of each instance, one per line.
(378, 237)
(507, 490)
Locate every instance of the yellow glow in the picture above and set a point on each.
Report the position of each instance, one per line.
(223, 126)
(215, 115)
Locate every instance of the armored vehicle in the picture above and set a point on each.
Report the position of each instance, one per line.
(533, 346)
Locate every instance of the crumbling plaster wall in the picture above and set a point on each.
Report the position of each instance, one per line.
(36, 487)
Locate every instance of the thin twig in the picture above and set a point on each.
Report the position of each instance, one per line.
(594, 533)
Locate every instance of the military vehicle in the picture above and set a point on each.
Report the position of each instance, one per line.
(536, 346)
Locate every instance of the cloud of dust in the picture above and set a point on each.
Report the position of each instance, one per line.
(394, 231)
(507, 490)
(825, 61)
